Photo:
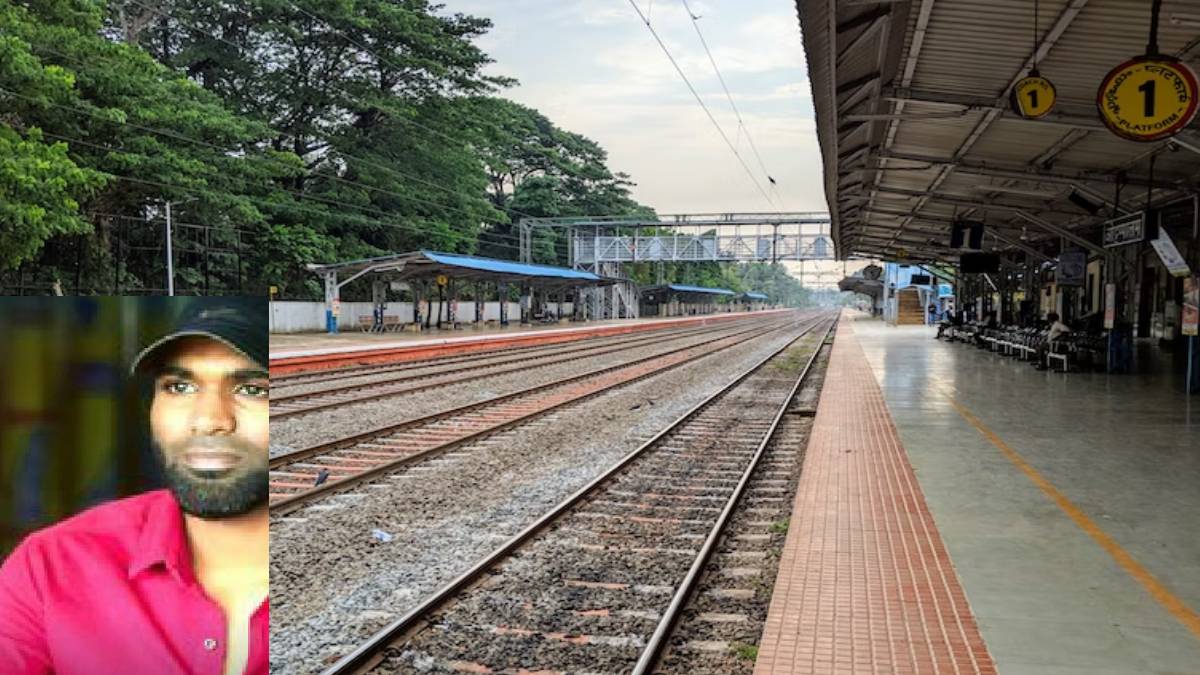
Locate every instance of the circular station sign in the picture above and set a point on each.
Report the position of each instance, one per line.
(442, 280)
(1033, 96)
(1147, 98)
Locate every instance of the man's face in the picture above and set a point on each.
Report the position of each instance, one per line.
(210, 421)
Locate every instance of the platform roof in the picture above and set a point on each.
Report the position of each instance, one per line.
(679, 288)
(428, 264)
(913, 120)
(871, 287)
(755, 295)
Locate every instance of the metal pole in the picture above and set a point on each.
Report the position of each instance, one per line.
(1191, 349)
(170, 259)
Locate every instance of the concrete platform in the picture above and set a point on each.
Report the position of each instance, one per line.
(1068, 503)
(287, 344)
(865, 584)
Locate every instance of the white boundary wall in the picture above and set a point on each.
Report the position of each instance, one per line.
(302, 317)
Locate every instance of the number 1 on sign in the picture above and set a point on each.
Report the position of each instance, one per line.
(1147, 88)
(1033, 99)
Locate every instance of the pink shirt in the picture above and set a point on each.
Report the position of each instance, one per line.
(112, 590)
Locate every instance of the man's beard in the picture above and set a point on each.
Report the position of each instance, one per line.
(215, 494)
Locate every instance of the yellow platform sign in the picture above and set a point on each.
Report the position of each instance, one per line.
(1147, 98)
(1033, 96)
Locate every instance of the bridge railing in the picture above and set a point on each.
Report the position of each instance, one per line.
(701, 248)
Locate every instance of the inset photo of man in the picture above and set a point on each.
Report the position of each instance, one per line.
(161, 566)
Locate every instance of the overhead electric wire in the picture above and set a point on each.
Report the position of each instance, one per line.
(702, 104)
(737, 113)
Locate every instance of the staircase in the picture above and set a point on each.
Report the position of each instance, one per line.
(625, 300)
(908, 308)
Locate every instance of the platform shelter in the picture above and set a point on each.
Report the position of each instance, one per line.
(434, 282)
(683, 300)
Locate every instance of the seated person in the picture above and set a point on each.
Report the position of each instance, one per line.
(1057, 330)
(950, 318)
(989, 322)
(172, 581)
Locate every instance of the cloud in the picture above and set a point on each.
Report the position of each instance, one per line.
(592, 67)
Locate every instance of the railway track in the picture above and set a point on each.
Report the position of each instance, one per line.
(718, 630)
(300, 403)
(599, 583)
(352, 372)
(302, 475)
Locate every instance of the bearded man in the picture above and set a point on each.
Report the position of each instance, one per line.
(175, 580)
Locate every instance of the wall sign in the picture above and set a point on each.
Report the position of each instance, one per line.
(1147, 98)
(1170, 256)
(1123, 230)
(1072, 268)
(1032, 96)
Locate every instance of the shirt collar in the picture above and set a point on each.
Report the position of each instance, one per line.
(162, 541)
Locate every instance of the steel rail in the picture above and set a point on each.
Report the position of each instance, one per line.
(292, 502)
(350, 372)
(654, 647)
(366, 357)
(367, 654)
(346, 441)
(562, 356)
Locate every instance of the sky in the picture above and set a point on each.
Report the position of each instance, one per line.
(594, 68)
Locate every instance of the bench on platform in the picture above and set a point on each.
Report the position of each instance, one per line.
(391, 322)
(1073, 351)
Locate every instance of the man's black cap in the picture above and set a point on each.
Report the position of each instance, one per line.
(240, 322)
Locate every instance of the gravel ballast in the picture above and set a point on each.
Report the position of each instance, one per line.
(334, 583)
(327, 425)
(456, 365)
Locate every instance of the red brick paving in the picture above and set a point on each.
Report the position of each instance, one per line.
(865, 584)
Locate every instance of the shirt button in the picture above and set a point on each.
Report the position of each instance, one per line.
(210, 644)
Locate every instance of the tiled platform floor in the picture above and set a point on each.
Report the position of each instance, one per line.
(865, 584)
(1068, 504)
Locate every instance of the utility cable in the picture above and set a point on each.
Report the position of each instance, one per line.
(737, 113)
(702, 104)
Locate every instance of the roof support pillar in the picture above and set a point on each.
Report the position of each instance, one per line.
(332, 301)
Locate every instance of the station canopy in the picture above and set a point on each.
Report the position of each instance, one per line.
(679, 288)
(429, 264)
(754, 295)
(916, 128)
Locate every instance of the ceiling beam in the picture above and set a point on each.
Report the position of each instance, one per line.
(906, 77)
(1062, 232)
(1047, 156)
(1048, 40)
(961, 200)
(873, 20)
(974, 167)
(1018, 244)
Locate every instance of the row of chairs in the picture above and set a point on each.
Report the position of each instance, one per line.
(1071, 351)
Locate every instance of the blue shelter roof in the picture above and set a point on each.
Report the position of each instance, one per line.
(508, 266)
(699, 289)
(755, 295)
(427, 264)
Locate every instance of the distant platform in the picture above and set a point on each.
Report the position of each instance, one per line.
(294, 353)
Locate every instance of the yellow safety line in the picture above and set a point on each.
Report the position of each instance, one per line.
(1178, 608)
